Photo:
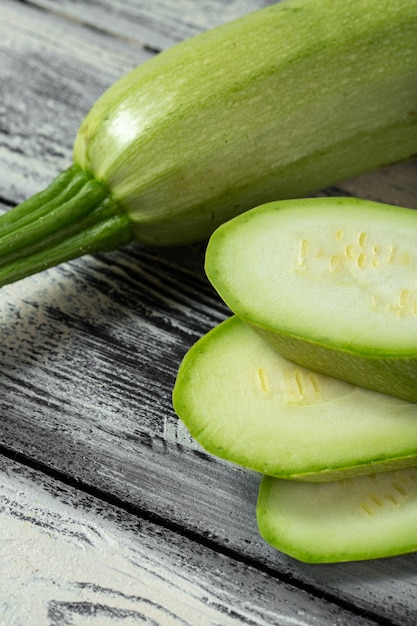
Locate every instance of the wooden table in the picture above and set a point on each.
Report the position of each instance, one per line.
(109, 512)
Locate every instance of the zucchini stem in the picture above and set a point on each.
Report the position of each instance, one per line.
(75, 215)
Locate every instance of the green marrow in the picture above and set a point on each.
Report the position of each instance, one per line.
(330, 283)
(278, 104)
(361, 518)
(246, 403)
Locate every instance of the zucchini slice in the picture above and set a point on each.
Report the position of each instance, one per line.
(331, 283)
(247, 404)
(359, 518)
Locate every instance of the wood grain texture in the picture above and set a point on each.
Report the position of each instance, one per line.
(89, 350)
(157, 24)
(67, 558)
(52, 70)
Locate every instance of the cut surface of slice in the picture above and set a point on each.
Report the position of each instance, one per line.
(359, 518)
(246, 403)
(331, 283)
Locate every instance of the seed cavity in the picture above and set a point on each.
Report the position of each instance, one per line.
(349, 251)
(374, 303)
(367, 508)
(397, 492)
(334, 263)
(362, 239)
(375, 498)
(391, 254)
(361, 260)
(301, 386)
(375, 501)
(303, 251)
(263, 380)
(404, 305)
(314, 383)
(402, 490)
(404, 297)
(352, 254)
(299, 381)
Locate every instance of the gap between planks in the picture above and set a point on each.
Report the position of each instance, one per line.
(193, 536)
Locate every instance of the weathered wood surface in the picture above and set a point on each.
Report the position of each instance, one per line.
(115, 568)
(89, 352)
(156, 24)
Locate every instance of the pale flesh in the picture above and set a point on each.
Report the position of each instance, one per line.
(246, 403)
(330, 282)
(359, 518)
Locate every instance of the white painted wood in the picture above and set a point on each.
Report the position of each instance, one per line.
(51, 72)
(157, 24)
(67, 558)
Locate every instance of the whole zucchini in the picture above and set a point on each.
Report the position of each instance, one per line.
(277, 104)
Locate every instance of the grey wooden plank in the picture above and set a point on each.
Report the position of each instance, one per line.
(393, 184)
(89, 350)
(68, 558)
(157, 24)
(51, 72)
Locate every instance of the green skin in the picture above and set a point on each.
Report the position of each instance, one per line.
(351, 353)
(317, 432)
(278, 104)
(395, 375)
(362, 518)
